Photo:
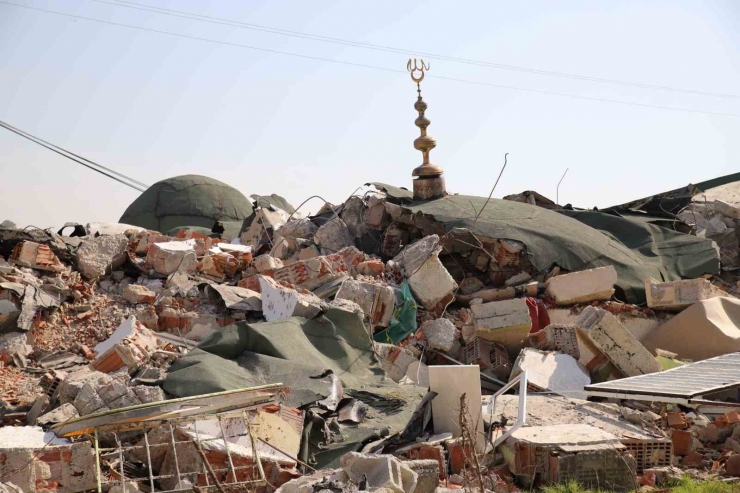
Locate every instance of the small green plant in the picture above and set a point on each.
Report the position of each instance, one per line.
(684, 485)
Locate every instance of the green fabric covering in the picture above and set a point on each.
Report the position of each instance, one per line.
(188, 200)
(403, 321)
(297, 352)
(292, 351)
(577, 240)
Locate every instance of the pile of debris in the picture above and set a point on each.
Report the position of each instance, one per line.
(369, 346)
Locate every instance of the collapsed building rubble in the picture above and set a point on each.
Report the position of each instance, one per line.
(371, 346)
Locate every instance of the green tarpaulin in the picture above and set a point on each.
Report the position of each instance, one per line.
(577, 240)
(301, 353)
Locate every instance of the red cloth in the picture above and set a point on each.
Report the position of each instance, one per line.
(538, 314)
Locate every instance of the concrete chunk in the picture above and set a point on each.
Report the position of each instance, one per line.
(440, 334)
(279, 302)
(507, 322)
(172, 256)
(432, 285)
(582, 286)
(677, 295)
(381, 471)
(558, 372)
(376, 300)
(611, 338)
(333, 235)
(135, 293)
(97, 255)
(267, 263)
(409, 260)
(394, 360)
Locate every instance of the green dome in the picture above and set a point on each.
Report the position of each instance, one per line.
(188, 200)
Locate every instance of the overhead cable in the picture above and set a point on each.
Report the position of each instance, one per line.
(120, 178)
(373, 67)
(403, 51)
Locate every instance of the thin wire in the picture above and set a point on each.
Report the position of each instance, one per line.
(137, 182)
(135, 187)
(374, 67)
(403, 51)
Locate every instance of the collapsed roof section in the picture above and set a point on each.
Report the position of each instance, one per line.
(574, 240)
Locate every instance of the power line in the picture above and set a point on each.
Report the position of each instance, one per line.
(390, 49)
(130, 183)
(137, 182)
(374, 67)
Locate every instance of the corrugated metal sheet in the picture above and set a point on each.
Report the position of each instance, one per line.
(687, 381)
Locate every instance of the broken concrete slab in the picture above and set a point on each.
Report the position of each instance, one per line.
(559, 454)
(279, 302)
(97, 256)
(376, 300)
(558, 372)
(63, 413)
(677, 295)
(507, 322)
(238, 298)
(582, 286)
(611, 338)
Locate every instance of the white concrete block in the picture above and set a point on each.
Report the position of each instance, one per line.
(677, 295)
(432, 285)
(582, 286)
(279, 302)
(507, 322)
(450, 382)
(376, 300)
(611, 338)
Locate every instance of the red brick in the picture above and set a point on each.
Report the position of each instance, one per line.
(458, 457)
(681, 441)
(433, 452)
(676, 420)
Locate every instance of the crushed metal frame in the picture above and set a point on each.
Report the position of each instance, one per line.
(521, 420)
(210, 474)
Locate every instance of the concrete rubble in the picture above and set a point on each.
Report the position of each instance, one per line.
(91, 324)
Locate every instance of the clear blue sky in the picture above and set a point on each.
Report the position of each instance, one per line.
(153, 105)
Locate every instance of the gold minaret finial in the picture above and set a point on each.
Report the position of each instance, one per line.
(428, 182)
